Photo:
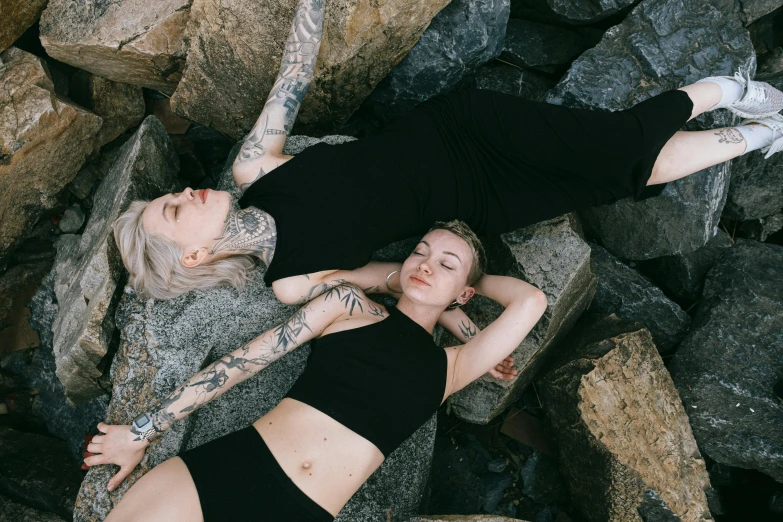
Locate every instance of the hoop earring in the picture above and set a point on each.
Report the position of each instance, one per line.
(388, 287)
(453, 306)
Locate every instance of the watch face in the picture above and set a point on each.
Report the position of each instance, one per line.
(142, 419)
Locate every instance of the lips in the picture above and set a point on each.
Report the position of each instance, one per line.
(203, 195)
(418, 280)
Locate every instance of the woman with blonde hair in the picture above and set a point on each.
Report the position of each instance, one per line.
(495, 161)
(304, 459)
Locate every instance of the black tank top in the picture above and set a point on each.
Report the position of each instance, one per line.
(381, 381)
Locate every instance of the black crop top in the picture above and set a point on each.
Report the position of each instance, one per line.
(364, 377)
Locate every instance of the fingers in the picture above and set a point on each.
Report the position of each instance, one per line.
(117, 479)
(496, 374)
(96, 460)
(103, 427)
(92, 447)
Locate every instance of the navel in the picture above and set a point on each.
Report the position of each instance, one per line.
(306, 465)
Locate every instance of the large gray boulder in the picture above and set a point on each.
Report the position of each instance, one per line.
(617, 419)
(462, 37)
(236, 48)
(89, 281)
(553, 257)
(44, 140)
(626, 293)
(547, 48)
(576, 12)
(163, 343)
(661, 45)
(501, 77)
(682, 275)
(726, 366)
(140, 42)
(761, 229)
(38, 471)
(17, 17)
(11, 511)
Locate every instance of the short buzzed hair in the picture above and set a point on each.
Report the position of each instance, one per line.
(461, 229)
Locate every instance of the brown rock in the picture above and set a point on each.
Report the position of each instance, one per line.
(626, 448)
(43, 142)
(89, 274)
(16, 18)
(120, 105)
(237, 46)
(136, 41)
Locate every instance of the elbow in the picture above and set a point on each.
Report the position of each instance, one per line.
(287, 293)
(539, 301)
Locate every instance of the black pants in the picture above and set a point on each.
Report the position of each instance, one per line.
(239, 480)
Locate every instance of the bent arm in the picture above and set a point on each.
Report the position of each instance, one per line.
(263, 149)
(524, 305)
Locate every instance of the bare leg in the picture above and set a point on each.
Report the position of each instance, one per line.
(166, 494)
(689, 152)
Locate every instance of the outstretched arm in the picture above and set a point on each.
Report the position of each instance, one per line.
(263, 149)
(123, 446)
(524, 305)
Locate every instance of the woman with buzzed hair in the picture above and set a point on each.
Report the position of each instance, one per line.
(495, 161)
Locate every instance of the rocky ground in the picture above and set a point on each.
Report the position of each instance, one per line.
(650, 390)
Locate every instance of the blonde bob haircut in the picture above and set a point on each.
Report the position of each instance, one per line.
(155, 264)
(461, 229)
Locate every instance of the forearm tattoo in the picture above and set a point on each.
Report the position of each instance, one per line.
(292, 82)
(729, 136)
(468, 330)
(248, 231)
(229, 371)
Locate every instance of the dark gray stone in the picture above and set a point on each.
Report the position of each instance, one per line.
(554, 257)
(463, 35)
(543, 47)
(725, 368)
(654, 509)
(682, 275)
(569, 12)
(11, 511)
(541, 479)
(497, 465)
(623, 291)
(761, 229)
(494, 487)
(661, 45)
(501, 77)
(72, 220)
(752, 10)
(38, 471)
(89, 278)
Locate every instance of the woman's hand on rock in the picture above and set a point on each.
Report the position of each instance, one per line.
(116, 445)
(504, 371)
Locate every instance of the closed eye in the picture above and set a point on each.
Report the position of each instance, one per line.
(175, 211)
(446, 267)
(417, 253)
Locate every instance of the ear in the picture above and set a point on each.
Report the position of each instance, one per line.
(466, 295)
(194, 258)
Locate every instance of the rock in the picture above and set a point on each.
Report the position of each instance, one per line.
(38, 471)
(495, 486)
(623, 291)
(72, 220)
(89, 280)
(43, 142)
(11, 511)
(226, 81)
(463, 36)
(755, 9)
(163, 343)
(139, 42)
(567, 12)
(542, 481)
(617, 418)
(463, 518)
(457, 470)
(498, 76)
(761, 229)
(771, 62)
(543, 47)
(682, 275)
(727, 365)
(17, 17)
(497, 465)
(120, 105)
(17, 287)
(661, 45)
(553, 257)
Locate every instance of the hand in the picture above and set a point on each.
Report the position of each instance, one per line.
(504, 371)
(116, 445)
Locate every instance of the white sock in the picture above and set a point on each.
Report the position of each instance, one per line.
(731, 88)
(757, 136)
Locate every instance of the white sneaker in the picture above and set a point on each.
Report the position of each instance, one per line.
(760, 99)
(774, 122)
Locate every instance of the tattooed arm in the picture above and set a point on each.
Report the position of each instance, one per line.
(263, 149)
(123, 446)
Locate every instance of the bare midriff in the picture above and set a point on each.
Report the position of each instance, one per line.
(325, 460)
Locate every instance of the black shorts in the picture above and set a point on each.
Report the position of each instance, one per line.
(238, 480)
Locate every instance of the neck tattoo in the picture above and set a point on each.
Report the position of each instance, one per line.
(248, 231)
